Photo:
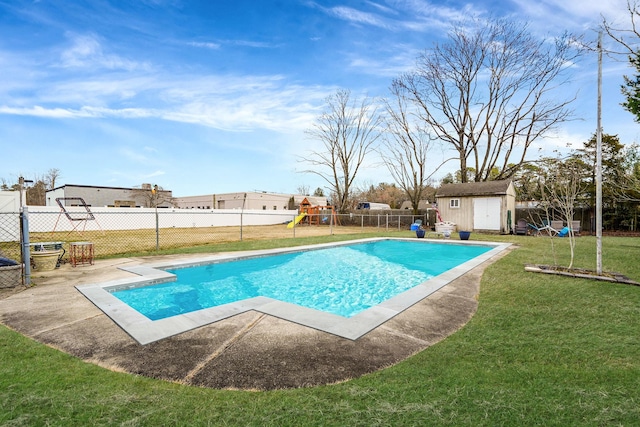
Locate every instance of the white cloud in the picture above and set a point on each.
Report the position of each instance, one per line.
(233, 103)
(250, 43)
(393, 61)
(571, 15)
(382, 8)
(413, 15)
(356, 16)
(68, 113)
(221, 43)
(38, 111)
(133, 155)
(207, 45)
(155, 174)
(86, 52)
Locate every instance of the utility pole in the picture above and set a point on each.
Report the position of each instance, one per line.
(599, 163)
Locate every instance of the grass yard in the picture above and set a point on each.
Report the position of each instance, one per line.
(541, 350)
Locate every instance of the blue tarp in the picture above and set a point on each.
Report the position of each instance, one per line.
(6, 262)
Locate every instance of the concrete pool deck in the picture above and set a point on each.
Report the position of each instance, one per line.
(250, 350)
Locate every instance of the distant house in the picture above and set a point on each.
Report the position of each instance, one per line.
(104, 196)
(478, 206)
(422, 205)
(247, 200)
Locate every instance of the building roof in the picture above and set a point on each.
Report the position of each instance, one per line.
(95, 186)
(486, 188)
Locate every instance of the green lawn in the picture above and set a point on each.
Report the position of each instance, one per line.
(541, 350)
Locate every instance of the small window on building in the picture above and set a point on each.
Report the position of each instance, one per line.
(275, 208)
(454, 203)
(264, 207)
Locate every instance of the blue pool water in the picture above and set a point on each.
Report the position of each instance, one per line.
(343, 280)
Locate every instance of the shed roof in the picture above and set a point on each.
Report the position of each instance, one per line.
(487, 188)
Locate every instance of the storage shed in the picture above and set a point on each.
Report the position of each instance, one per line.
(478, 206)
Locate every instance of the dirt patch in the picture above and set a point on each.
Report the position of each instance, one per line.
(580, 273)
(621, 233)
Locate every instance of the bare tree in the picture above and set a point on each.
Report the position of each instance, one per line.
(152, 196)
(626, 41)
(487, 93)
(380, 193)
(625, 37)
(407, 149)
(347, 130)
(303, 189)
(36, 192)
(563, 184)
(52, 176)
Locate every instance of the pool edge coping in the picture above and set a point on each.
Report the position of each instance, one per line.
(146, 331)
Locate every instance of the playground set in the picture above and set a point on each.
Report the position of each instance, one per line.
(314, 215)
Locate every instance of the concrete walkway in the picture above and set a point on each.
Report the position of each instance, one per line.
(248, 351)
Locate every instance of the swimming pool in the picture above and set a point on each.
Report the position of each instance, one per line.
(296, 284)
(342, 280)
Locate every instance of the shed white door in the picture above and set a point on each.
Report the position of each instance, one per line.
(486, 213)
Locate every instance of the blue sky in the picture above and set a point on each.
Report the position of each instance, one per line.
(215, 96)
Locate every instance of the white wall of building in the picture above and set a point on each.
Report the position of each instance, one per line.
(100, 196)
(46, 219)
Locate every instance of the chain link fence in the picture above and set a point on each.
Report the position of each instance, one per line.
(10, 250)
(147, 231)
(113, 233)
(540, 216)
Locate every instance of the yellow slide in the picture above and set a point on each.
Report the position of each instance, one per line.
(297, 220)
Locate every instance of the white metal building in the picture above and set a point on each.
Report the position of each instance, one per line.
(104, 196)
(248, 200)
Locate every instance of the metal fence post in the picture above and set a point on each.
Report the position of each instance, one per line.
(294, 226)
(331, 224)
(26, 254)
(157, 230)
(244, 200)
